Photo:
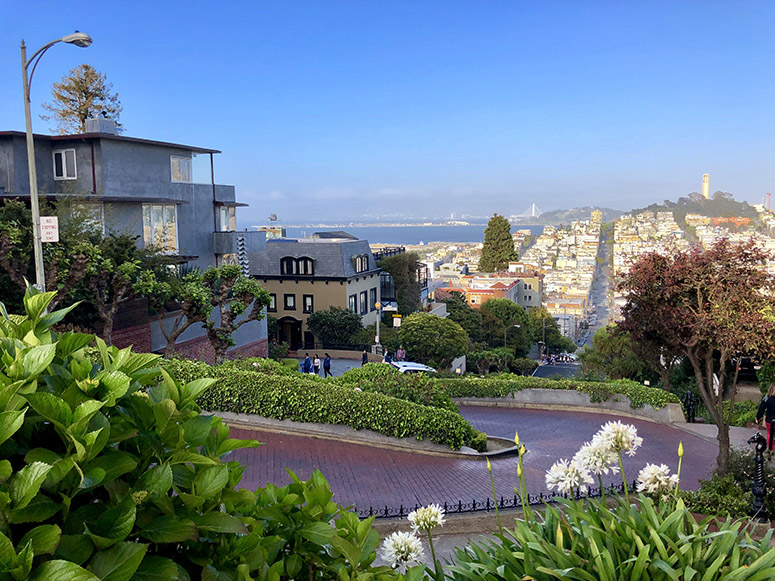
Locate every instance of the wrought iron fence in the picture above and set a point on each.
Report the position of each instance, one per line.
(460, 507)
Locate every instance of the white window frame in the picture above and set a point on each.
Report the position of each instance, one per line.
(177, 170)
(227, 219)
(148, 240)
(83, 210)
(63, 154)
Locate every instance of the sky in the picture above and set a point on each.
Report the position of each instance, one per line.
(342, 111)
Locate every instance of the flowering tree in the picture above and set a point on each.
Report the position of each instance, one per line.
(708, 305)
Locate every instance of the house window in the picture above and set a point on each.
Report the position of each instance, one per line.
(160, 229)
(307, 303)
(353, 303)
(227, 219)
(289, 302)
(306, 266)
(373, 299)
(288, 265)
(361, 263)
(272, 308)
(64, 165)
(181, 169)
(364, 303)
(89, 215)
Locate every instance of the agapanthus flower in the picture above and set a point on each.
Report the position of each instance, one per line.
(426, 518)
(565, 476)
(597, 457)
(656, 480)
(400, 549)
(619, 437)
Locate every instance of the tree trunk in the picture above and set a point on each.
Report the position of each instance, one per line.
(722, 460)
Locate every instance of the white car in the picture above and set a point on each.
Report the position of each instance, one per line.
(409, 367)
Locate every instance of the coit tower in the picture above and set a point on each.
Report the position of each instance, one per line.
(706, 186)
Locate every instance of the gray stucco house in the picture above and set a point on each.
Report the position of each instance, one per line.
(144, 188)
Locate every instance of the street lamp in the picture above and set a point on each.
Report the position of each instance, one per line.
(379, 316)
(78, 39)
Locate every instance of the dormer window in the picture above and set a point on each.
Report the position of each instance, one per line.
(290, 265)
(361, 262)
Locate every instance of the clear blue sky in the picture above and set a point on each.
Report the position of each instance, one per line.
(329, 109)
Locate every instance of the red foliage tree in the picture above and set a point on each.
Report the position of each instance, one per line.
(708, 305)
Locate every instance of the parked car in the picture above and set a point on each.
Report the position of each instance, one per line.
(410, 367)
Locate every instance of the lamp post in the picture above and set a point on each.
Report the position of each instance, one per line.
(379, 316)
(78, 39)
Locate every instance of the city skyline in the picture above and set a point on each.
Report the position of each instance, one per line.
(338, 111)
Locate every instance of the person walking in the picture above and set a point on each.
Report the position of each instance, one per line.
(364, 358)
(387, 358)
(316, 365)
(767, 413)
(306, 367)
(400, 354)
(327, 366)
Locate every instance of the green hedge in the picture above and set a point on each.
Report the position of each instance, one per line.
(306, 400)
(387, 380)
(506, 384)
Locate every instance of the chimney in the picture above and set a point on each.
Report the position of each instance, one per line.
(100, 125)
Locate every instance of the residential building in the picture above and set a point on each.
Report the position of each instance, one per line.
(313, 274)
(144, 188)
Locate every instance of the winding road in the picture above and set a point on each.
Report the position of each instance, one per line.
(366, 476)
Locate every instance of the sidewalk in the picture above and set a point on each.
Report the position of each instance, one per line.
(738, 437)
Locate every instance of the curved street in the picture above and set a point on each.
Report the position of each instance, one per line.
(366, 477)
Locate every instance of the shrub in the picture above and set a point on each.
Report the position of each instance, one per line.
(721, 495)
(108, 471)
(262, 365)
(278, 350)
(315, 400)
(506, 384)
(385, 379)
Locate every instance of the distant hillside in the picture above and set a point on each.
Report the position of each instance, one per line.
(567, 216)
(720, 204)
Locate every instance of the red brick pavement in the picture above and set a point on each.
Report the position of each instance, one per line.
(365, 476)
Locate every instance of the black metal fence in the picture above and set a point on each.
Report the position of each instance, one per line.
(488, 504)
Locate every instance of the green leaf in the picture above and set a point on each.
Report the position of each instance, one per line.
(193, 389)
(5, 470)
(116, 385)
(210, 573)
(221, 522)
(51, 319)
(7, 553)
(160, 568)
(119, 562)
(235, 444)
(317, 532)
(170, 529)
(211, 480)
(197, 429)
(26, 483)
(157, 481)
(60, 570)
(293, 565)
(39, 509)
(10, 422)
(44, 538)
(51, 407)
(114, 524)
(69, 343)
(75, 548)
(191, 458)
(114, 464)
(92, 478)
(36, 303)
(37, 359)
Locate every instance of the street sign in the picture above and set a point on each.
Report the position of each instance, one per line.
(49, 229)
(396, 320)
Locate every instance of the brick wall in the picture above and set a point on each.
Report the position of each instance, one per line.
(201, 349)
(138, 336)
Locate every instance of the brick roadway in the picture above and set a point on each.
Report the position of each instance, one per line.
(365, 476)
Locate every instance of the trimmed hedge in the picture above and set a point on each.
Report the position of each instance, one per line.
(303, 400)
(506, 384)
(387, 380)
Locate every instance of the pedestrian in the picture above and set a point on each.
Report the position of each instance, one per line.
(387, 358)
(327, 366)
(306, 367)
(316, 365)
(766, 414)
(364, 358)
(400, 354)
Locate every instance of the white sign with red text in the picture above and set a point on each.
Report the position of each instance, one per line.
(49, 229)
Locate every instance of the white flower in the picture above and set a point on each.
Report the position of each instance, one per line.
(426, 518)
(597, 458)
(400, 549)
(565, 476)
(619, 437)
(656, 480)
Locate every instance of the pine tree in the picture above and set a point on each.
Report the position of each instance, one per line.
(83, 93)
(498, 247)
